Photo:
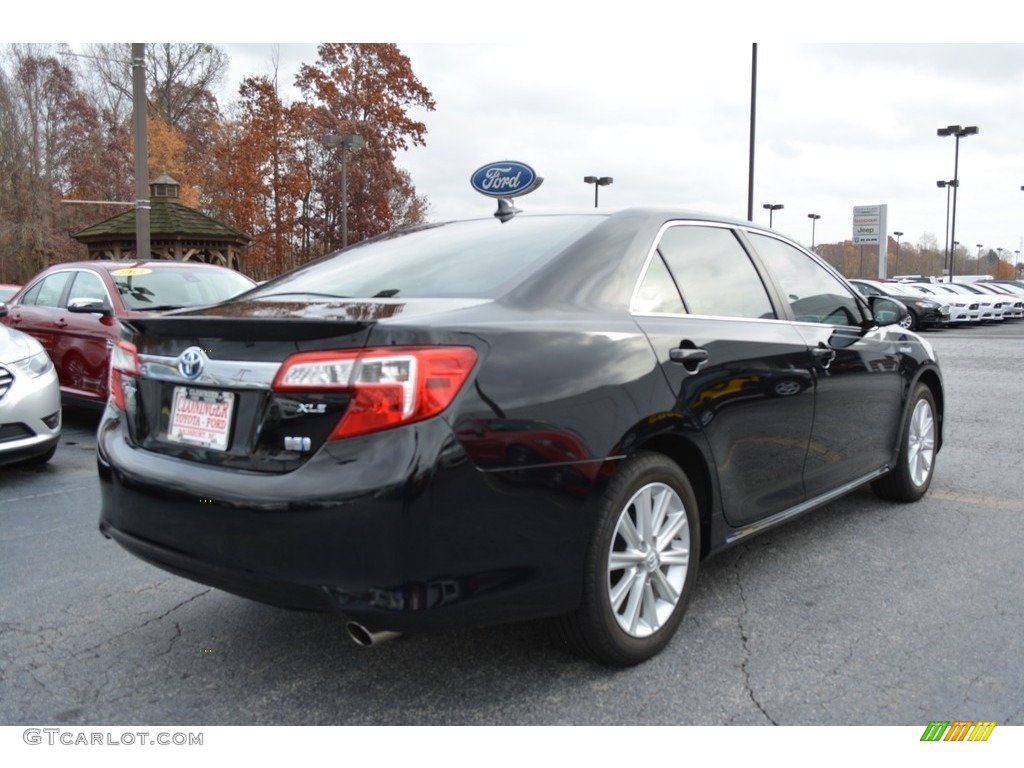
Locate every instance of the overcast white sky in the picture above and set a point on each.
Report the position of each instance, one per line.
(661, 102)
(837, 126)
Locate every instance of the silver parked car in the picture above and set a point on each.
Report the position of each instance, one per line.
(29, 400)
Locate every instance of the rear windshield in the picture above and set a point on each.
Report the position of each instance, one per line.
(172, 288)
(471, 259)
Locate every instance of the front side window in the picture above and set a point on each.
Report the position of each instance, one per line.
(814, 294)
(87, 286)
(714, 272)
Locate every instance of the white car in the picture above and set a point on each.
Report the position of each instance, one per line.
(962, 308)
(1013, 303)
(992, 309)
(29, 400)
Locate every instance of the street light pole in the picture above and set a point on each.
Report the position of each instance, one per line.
(772, 208)
(945, 255)
(959, 133)
(814, 221)
(347, 143)
(597, 181)
(896, 268)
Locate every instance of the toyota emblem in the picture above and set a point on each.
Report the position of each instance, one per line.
(190, 362)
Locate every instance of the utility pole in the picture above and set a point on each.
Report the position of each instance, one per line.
(143, 251)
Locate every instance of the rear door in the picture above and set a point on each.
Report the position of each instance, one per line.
(741, 374)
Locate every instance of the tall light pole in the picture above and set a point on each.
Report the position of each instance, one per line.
(753, 124)
(948, 185)
(143, 250)
(347, 143)
(896, 268)
(772, 208)
(597, 181)
(959, 133)
(814, 222)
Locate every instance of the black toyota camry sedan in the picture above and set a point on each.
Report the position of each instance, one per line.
(488, 421)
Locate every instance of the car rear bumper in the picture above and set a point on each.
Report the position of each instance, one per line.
(399, 530)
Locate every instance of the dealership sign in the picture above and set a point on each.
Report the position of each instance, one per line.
(506, 179)
(869, 224)
(869, 228)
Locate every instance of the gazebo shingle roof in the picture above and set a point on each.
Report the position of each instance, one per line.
(167, 218)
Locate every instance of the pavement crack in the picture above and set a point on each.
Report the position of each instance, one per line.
(146, 623)
(745, 638)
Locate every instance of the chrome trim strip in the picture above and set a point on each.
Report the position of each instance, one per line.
(799, 509)
(225, 374)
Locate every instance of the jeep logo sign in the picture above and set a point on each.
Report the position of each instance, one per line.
(505, 179)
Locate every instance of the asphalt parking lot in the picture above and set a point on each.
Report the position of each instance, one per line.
(860, 613)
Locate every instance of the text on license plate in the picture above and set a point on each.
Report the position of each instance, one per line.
(201, 417)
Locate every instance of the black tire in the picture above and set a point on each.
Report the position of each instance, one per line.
(910, 321)
(910, 479)
(629, 614)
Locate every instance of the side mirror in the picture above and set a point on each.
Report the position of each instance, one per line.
(886, 311)
(3, 309)
(90, 306)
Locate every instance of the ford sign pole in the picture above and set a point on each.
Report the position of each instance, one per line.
(504, 181)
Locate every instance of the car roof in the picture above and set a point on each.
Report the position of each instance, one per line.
(109, 265)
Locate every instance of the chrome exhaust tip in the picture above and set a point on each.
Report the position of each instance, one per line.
(367, 638)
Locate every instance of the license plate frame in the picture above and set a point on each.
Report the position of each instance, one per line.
(201, 418)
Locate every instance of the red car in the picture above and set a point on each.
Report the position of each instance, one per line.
(73, 310)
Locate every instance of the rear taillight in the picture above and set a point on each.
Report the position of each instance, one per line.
(390, 386)
(124, 362)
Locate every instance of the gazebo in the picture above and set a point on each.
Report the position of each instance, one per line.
(177, 232)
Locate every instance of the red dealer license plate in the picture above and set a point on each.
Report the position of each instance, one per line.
(201, 417)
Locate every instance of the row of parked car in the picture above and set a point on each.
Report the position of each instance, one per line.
(57, 333)
(940, 305)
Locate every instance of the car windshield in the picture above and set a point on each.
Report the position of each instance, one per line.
(470, 259)
(173, 287)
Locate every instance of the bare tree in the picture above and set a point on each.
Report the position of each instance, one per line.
(180, 76)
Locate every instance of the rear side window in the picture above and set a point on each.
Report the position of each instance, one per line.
(47, 292)
(714, 273)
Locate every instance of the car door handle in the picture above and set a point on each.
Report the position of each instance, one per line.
(692, 358)
(62, 323)
(824, 356)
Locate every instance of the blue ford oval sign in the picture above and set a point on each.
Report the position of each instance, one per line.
(505, 179)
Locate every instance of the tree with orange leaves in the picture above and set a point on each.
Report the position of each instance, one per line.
(365, 89)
